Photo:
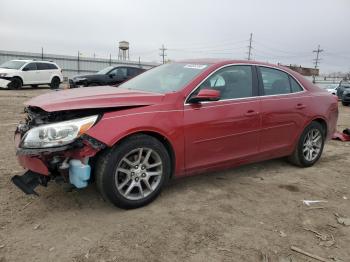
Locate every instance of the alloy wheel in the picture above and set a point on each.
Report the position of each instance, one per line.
(138, 173)
(312, 145)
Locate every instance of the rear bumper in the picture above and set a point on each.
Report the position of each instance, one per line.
(73, 84)
(346, 99)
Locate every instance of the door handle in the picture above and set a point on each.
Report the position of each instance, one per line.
(251, 113)
(300, 106)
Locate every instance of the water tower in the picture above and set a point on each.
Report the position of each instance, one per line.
(123, 50)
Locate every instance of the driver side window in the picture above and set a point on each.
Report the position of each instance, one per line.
(119, 71)
(30, 67)
(232, 82)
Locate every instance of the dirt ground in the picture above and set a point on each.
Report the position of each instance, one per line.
(251, 213)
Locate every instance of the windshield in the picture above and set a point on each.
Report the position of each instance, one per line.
(165, 78)
(13, 64)
(345, 84)
(105, 70)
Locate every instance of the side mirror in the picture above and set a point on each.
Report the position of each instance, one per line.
(25, 69)
(111, 75)
(205, 94)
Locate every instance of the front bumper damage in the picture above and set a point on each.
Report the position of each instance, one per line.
(70, 163)
(4, 81)
(43, 165)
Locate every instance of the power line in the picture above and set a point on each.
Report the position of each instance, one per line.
(274, 50)
(162, 54)
(250, 46)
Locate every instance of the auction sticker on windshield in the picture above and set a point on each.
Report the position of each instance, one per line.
(193, 66)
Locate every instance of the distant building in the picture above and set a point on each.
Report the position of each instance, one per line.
(305, 71)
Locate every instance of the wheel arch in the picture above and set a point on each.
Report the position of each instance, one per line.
(19, 77)
(323, 123)
(53, 76)
(161, 138)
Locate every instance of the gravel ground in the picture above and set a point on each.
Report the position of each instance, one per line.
(251, 213)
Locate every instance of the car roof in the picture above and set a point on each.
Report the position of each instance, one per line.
(222, 62)
(27, 61)
(132, 66)
(218, 61)
(22, 60)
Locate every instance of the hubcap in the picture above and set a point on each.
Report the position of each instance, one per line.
(138, 173)
(312, 145)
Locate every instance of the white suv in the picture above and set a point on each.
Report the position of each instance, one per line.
(16, 73)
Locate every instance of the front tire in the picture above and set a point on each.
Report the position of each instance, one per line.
(16, 83)
(55, 83)
(132, 173)
(309, 147)
(344, 103)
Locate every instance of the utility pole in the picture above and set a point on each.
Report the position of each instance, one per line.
(78, 62)
(42, 53)
(317, 59)
(110, 59)
(250, 46)
(162, 54)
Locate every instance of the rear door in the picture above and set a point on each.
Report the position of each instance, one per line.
(132, 72)
(284, 106)
(30, 74)
(221, 131)
(45, 72)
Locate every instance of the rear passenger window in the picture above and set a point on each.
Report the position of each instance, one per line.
(275, 82)
(295, 86)
(133, 71)
(42, 66)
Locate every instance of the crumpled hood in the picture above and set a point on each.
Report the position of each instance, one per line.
(93, 97)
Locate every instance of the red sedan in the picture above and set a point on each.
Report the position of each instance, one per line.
(174, 120)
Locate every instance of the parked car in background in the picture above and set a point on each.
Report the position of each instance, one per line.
(343, 85)
(17, 73)
(332, 88)
(174, 120)
(112, 75)
(346, 97)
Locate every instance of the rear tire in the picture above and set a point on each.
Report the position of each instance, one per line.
(345, 103)
(16, 83)
(132, 174)
(55, 83)
(309, 147)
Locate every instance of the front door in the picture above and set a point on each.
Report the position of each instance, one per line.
(30, 74)
(225, 130)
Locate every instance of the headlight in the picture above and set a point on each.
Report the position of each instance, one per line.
(3, 74)
(58, 134)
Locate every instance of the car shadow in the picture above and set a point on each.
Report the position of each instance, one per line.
(89, 197)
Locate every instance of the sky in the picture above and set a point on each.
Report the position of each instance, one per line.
(284, 31)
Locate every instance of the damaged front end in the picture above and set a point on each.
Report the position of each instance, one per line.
(55, 146)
